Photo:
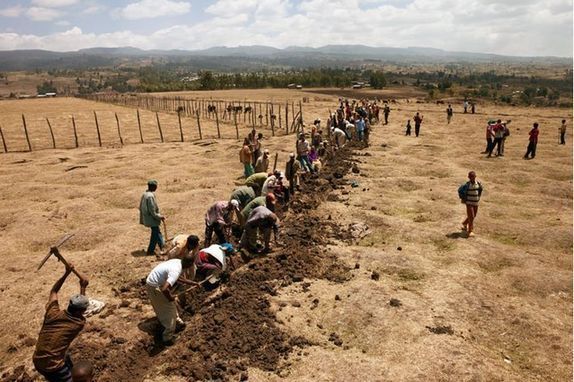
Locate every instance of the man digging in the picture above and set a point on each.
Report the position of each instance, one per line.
(159, 283)
(59, 329)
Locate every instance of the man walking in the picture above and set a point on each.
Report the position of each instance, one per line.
(469, 194)
(532, 142)
(150, 217)
(59, 329)
(158, 285)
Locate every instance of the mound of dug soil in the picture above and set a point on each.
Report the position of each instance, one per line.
(233, 328)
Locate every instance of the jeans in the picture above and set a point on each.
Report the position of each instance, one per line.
(248, 170)
(305, 163)
(562, 140)
(360, 135)
(155, 239)
(417, 130)
(497, 143)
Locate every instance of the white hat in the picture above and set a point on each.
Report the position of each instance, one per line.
(234, 203)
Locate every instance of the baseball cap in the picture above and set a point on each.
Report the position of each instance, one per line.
(79, 302)
(152, 182)
(234, 203)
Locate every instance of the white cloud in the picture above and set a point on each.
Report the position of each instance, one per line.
(511, 27)
(54, 3)
(11, 11)
(42, 14)
(63, 23)
(92, 10)
(147, 9)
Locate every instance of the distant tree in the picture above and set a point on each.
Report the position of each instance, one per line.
(46, 87)
(377, 80)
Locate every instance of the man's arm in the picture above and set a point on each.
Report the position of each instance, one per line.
(83, 282)
(166, 290)
(58, 284)
(152, 209)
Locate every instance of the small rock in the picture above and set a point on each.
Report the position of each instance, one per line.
(296, 304)
(375, 276)
(373, 208)
(124, 304)
(337, 297)
(243, 377)
(357, 265)
(395, 302)
(399, 248)
(297, 278)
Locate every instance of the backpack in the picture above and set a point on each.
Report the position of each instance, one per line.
(462, 191)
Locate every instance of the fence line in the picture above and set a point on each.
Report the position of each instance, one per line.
(211, 109)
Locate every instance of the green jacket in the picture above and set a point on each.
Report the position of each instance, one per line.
(149, 210)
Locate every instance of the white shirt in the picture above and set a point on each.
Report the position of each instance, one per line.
(269, 182)
(167, 271)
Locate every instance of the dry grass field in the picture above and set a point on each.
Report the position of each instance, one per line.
(496, 307)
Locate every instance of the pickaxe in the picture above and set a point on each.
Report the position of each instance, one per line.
(54, 251)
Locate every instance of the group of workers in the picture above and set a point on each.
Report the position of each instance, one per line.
(250, 213)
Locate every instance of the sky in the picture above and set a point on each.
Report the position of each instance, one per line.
(510, 27)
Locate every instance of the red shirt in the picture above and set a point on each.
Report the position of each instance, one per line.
(534, 135)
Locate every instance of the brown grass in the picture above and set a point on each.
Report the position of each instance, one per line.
(506, 293)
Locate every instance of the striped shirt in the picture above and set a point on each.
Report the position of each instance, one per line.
(473, 192)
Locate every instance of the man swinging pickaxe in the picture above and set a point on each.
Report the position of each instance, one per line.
(54, 251)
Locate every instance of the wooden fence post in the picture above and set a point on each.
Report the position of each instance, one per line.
(3, 141)
(198, 125)
(217, 124)
(140, 126)
(119, 129)
(51, 133)
(275, 163)
(287, 117)
(236, 127)
(98, 129)
(267, 114)
(75, 131)
(179, 120)
(159, 126)
(279, 114)
(26, 132)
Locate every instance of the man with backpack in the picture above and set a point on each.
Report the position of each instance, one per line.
(469, 194)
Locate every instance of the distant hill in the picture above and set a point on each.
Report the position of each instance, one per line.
(252, 57)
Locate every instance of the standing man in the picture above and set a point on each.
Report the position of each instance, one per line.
(245, 157)
(532, 142)
(418, 121)
(359, 128)
(262, 163)
(59, 329)
(158, 285)
(465, 106)
(386, 112)
(498, 131)
(563, 132)
(292, 169)
(449, 113)
(150, 217)
(469, 194)
(303, 153)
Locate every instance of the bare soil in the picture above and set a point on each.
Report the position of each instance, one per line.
(374, 282)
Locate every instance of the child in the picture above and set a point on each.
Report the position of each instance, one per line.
(408, 127)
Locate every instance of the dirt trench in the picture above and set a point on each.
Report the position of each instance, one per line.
(233, 328)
